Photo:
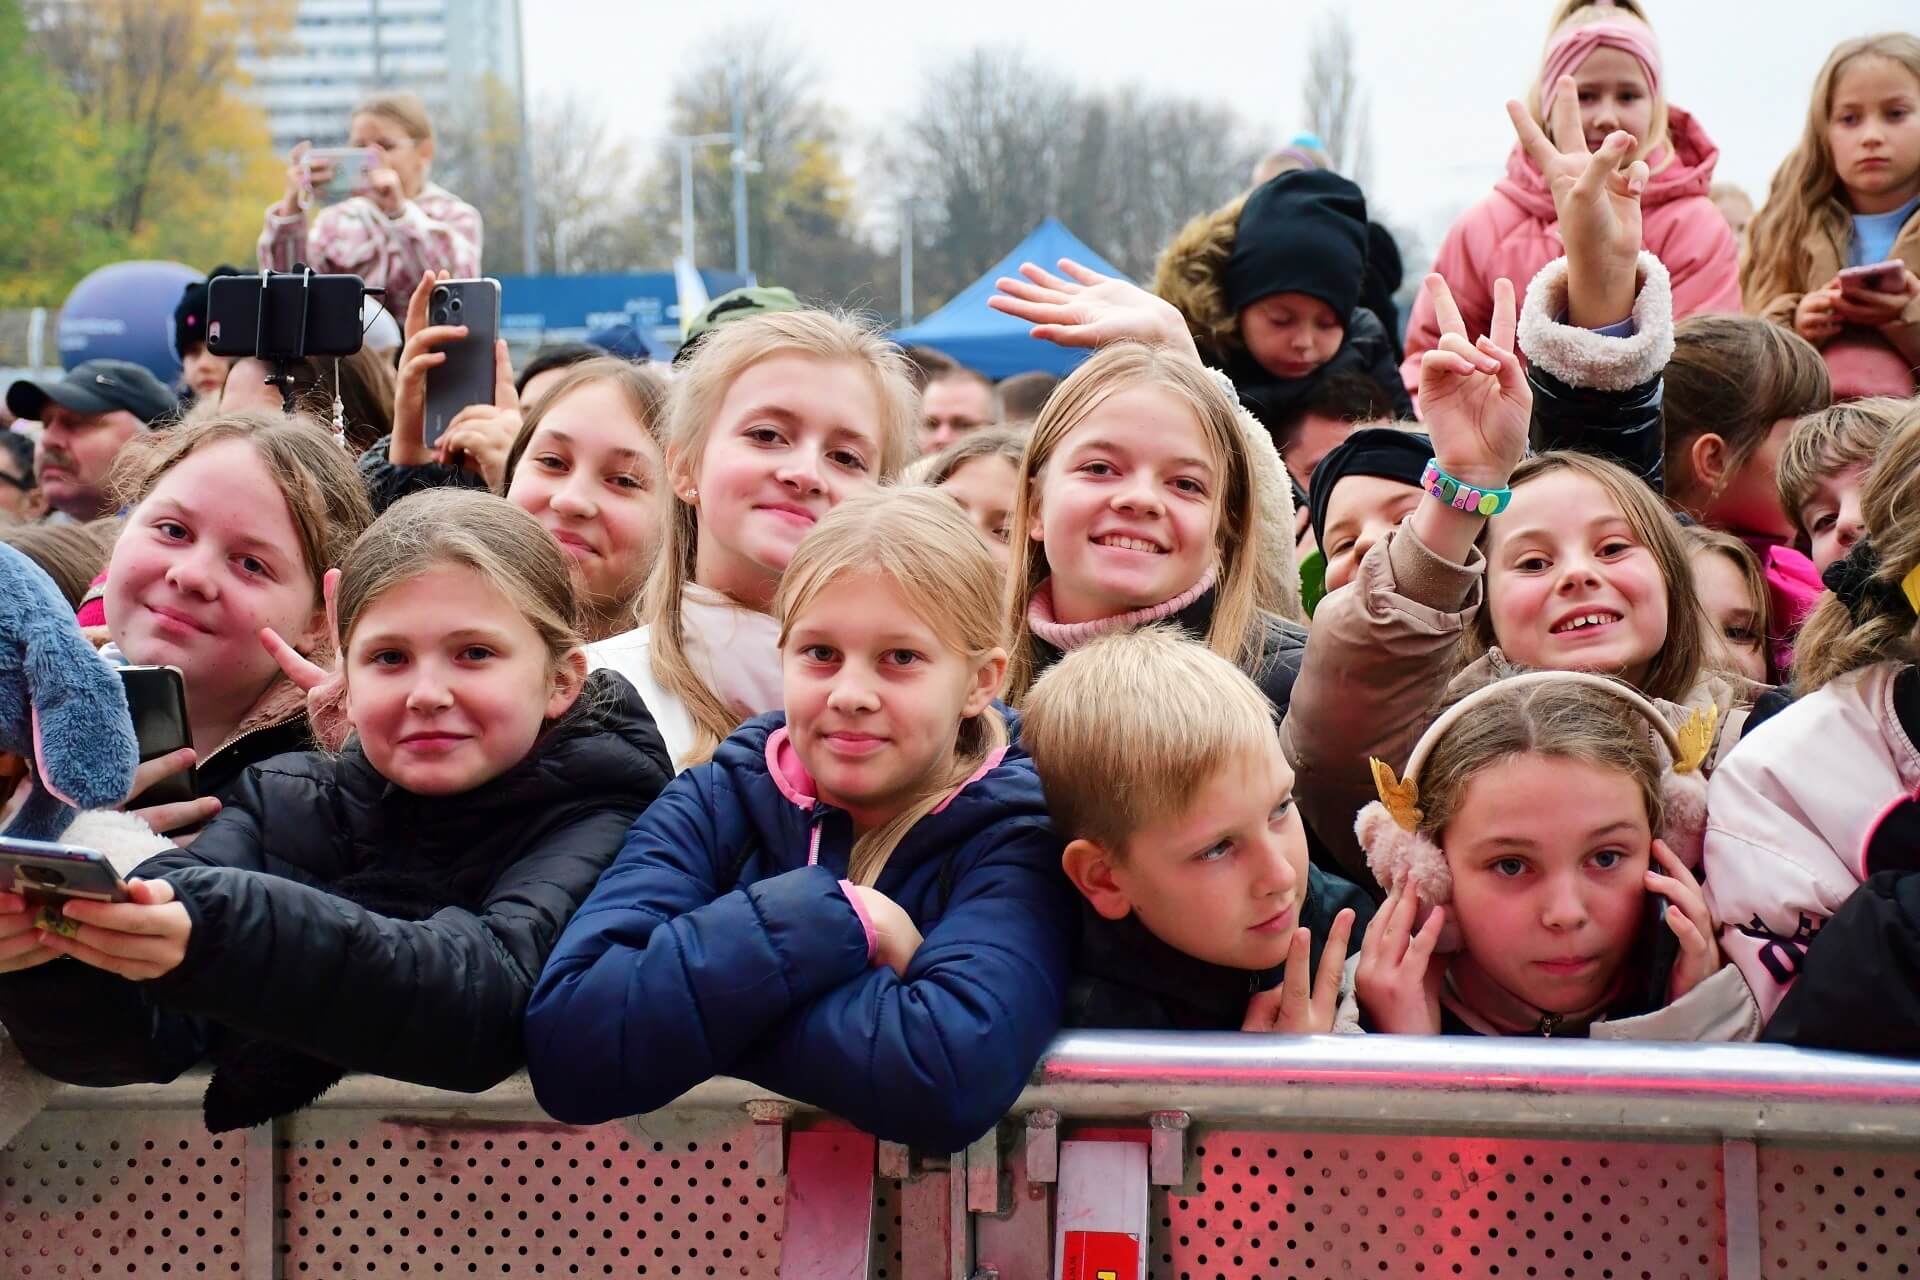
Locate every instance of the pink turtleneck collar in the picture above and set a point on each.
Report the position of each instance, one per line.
(1068, 636)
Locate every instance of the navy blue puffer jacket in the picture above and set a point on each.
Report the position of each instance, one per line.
(716, 945)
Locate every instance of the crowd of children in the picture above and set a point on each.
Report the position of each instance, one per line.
(675, 726)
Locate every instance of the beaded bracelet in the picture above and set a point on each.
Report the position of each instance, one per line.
(1462, 496)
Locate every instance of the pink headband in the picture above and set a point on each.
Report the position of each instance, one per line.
(1565, 54)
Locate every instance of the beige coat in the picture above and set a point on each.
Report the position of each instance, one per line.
(1821, 259)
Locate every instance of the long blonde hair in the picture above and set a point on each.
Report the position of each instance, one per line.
(924, 545)
(1832, 643)
(1238, 624)
(1580, 13)
(724, 354)
(1807, 195)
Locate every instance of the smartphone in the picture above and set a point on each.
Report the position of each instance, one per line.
(466, 376)
(1878, 277)
(50, 873)
(352, 167)
(157, 697)
(321, 320)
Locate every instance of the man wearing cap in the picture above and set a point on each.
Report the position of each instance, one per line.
(85, 418)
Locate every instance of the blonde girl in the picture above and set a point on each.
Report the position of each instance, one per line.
(1849, 196)
(856, 903)
(772, 424)
(1813, 823)
(588, 464)
(1144, 496)
(383, 909)
(1571, 915)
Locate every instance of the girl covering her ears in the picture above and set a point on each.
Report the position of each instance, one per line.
(1849, 196)
(1813, 825)
(856, 903)
(386, 909)
(1581, 568)
(233, 524)
(1613, 61)
(773, 422)
(1573, 915)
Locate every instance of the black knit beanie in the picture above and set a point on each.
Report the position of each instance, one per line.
(1386, 452)
(1302, 232)
(190, 316)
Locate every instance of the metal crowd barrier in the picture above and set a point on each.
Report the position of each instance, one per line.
(1198, 1156)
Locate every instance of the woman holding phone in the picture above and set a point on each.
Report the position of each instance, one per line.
(394, 226)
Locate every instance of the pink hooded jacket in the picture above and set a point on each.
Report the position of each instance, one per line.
(1513, 233)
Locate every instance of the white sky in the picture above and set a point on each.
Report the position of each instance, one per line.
(1437, 74)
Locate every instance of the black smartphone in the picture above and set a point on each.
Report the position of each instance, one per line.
(157, 697)
(46, 874)
(305, 316)
(466, 376)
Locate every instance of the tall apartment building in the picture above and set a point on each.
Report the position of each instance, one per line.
(341, 50)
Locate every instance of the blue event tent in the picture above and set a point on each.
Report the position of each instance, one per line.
(990, 341)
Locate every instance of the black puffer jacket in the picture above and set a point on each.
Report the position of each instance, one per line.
(1620, 426)
(274, 956)
(1127, 979)
(388, 481)
(1365, 351)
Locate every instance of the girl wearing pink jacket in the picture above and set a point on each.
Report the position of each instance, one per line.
(1613, 58)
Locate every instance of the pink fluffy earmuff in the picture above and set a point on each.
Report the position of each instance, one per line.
(1399, 852)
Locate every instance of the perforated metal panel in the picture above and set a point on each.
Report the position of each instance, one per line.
(1327, 1205)
(372, 1197)
(1839, 1212)
(162, 1198)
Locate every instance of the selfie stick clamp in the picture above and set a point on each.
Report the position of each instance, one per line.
(281, 362)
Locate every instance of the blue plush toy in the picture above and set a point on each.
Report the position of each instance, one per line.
(64, 711)
(61, 708)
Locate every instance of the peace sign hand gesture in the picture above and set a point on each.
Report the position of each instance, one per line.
(1596, 198)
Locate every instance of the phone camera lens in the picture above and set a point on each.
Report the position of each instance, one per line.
(455, 304)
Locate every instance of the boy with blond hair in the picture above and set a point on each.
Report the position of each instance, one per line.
(1200, 911)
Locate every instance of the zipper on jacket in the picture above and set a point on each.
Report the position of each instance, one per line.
(813, 838)
(1550, 1023)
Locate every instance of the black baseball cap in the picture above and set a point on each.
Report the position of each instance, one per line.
(96, 386)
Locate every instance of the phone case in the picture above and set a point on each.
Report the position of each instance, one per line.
(157, 699)
(466, 376)
(42, 873)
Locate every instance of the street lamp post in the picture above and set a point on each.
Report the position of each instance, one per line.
(687, 142)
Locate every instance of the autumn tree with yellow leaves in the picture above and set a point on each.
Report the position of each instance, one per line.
(143, 144)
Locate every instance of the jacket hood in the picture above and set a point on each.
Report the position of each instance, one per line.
(1689, 173)
(1007, 788)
